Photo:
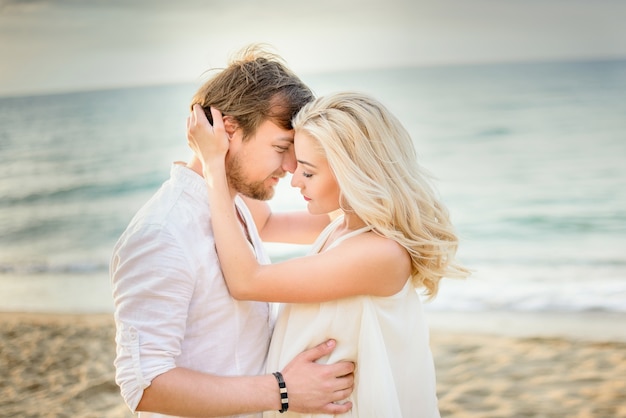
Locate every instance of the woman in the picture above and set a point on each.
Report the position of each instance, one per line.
(358, 285)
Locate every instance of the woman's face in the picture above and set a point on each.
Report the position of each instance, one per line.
(314, 177)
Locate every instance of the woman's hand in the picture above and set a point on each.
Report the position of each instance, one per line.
(209, 143)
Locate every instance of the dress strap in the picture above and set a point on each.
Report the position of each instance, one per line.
(350, 235)
(323, 237)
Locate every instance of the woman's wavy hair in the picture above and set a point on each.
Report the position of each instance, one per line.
(374, 161)
(256, 86)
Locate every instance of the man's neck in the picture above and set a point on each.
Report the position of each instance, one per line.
(196, 165)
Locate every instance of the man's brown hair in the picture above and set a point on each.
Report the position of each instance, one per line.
(256, 86)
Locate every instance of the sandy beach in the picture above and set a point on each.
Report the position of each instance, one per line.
(61, 365)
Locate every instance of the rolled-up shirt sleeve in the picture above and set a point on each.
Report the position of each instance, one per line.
(152, 288)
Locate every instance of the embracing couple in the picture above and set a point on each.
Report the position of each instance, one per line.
(199, 332)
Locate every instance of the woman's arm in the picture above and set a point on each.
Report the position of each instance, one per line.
(297, 227)
(366, 264)
(362, 265)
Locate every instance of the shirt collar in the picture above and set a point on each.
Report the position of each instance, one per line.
(181, 173)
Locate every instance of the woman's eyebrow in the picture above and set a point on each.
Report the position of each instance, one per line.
(306, 163)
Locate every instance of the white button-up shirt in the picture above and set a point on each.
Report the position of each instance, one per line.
(172, 306)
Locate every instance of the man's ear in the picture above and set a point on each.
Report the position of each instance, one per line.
(230, 126)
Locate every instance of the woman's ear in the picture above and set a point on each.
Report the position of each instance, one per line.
(230, 126)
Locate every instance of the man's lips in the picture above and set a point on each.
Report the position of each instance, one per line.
(276, 178)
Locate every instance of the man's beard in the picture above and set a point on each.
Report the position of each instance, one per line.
(237, 180)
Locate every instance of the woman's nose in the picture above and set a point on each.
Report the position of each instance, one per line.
(295, 180)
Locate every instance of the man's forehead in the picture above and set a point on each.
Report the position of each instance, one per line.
(270, 129)
(283, 135)
(286, 138)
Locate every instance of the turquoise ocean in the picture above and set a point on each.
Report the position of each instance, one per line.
(529, 158)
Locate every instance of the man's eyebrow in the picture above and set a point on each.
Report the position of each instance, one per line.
(306, 163)
(286, 139)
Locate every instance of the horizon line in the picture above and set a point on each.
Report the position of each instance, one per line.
(132, 85)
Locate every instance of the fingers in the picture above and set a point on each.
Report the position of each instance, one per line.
(198, 113)
(343, 368)
(189, 134)
(319, 350)
(339, 369)
(337, 408)
(199, 120)
(344, 383)
(314, 385)
(199, 117)
(192, 117)
(341, 388)
(192, 123)
(218, 120)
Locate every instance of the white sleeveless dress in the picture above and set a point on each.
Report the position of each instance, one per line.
(386, 336)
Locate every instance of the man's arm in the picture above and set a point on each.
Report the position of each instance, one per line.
(151, 290)
(311, 388)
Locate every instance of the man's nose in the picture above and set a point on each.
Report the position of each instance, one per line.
(289, 160)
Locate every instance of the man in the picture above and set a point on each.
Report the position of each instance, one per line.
(185, 347)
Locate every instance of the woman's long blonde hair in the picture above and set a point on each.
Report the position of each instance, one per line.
(374, 161)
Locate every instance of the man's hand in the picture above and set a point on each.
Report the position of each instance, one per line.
(313, 387)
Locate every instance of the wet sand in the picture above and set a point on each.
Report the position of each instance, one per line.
(58, 365)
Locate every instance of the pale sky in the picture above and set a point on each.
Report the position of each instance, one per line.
(65, 45)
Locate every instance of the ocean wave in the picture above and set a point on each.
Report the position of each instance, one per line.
(26, 269)
(605, 296)
(82, 192)
(613, 222)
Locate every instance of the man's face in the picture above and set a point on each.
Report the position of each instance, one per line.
(255, 166)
